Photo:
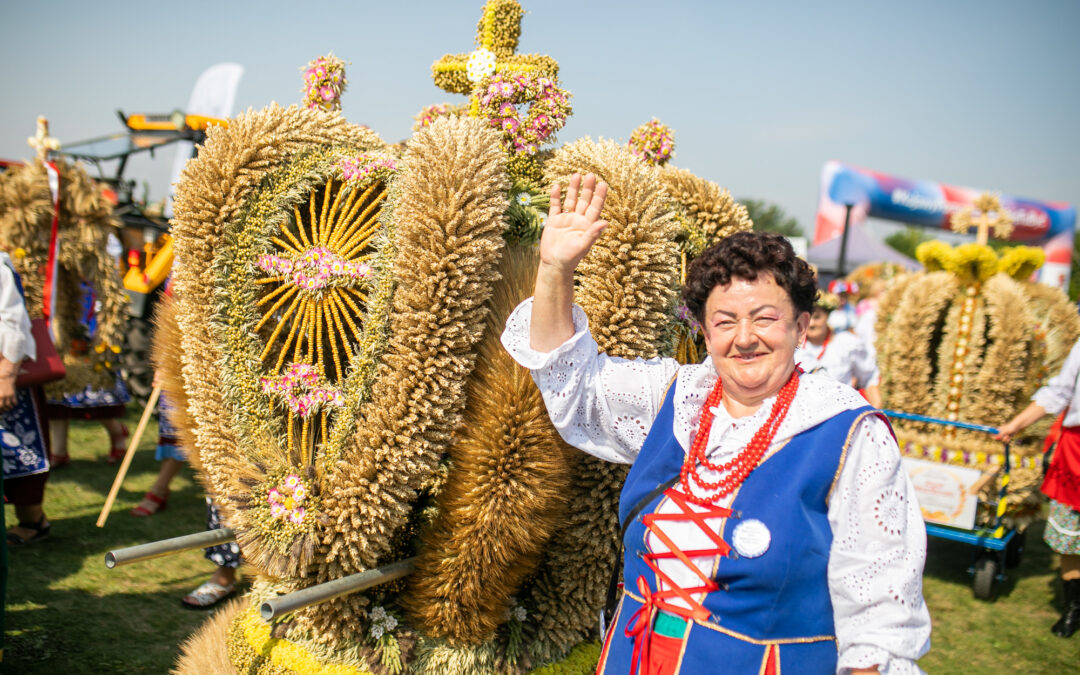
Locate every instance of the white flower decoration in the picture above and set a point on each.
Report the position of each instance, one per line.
(481, 64)
(518, 614)
(376, 631)
(523, 198)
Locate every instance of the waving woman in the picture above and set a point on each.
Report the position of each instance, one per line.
(773, 527)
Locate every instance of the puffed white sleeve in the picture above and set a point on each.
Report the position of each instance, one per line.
(600, 404)
(16, 340)
(877, 557)
(1060, 390)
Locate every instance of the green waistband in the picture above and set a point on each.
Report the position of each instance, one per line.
(669, 625)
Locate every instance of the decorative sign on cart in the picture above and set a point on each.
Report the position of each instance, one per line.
(947, 494)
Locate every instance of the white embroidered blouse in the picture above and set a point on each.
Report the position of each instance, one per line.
(16, 340)
(1061, 390)
(843, 357)
(605, 406)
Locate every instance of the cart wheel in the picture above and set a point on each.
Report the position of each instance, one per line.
(986, 571)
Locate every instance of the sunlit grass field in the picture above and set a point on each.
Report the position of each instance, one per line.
(66, 613)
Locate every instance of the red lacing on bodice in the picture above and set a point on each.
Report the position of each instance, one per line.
(639, 627)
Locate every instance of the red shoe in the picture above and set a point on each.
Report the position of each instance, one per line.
(153, 505)
(57, 461)
(117, 452)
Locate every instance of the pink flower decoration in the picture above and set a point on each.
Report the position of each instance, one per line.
(524, 132)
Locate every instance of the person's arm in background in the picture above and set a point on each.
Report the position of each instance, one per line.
(16, 340)
(1051, 398)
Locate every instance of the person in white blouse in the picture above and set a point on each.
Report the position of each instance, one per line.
(1062, 482)
(768, 522)
(23, 441)
(840, 354)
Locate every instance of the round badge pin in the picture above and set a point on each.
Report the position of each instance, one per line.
(751, 538)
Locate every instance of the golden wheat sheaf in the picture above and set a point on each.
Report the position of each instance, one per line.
(505, 495)
(708, 206)
(447, 223)
(213, 191)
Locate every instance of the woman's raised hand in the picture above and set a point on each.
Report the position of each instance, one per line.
(573, 227)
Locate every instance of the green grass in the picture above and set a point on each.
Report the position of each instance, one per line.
(1010, 634)
(68, 614)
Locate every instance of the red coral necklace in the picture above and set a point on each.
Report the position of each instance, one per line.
(734, 471)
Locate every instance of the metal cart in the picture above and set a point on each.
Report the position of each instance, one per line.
(996, 547)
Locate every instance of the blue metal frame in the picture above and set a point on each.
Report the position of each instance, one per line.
(934, 420)
(980, 537)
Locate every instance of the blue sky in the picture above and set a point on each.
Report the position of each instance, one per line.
(760, 94)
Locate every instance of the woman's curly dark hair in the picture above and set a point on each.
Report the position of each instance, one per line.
(745, 255)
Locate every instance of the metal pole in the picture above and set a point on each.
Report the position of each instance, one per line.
(841, 264)
(157, 549)
(313, 595)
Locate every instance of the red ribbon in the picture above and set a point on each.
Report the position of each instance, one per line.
(49, 295)
(640, 626)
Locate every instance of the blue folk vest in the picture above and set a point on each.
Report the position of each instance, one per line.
(777, 601)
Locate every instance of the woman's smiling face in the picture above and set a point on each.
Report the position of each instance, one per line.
(751, 332)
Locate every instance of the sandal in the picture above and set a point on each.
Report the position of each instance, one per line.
(40, 529)
(208, 595)
(117, 452)
(150, 505)
(57, 461)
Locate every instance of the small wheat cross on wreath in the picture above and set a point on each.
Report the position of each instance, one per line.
(985, 213)
(496, 40)
(42, 141)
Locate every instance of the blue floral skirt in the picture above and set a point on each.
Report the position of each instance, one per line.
(22, 439)
(91, 404)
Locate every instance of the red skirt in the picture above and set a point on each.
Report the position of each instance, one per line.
(664, 655)
(1062, 483)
